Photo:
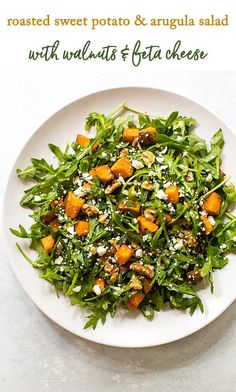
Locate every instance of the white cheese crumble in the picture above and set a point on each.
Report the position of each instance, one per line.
(159, 159)
(37, 198)
(209, 177)
(97, 289)
(71, 230)
(161, 195)
(211, 220)
(101, 250)
(58, 260)
(87, 176)
(104, 154)
(125, 192)
(79, 192)
(139, 253)
(77, 289)
(137, 164)
(179, 244)
(167, 184)
(234, 238)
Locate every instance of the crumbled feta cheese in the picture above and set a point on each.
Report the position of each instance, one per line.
(211, 220)
(151, 173)
(137, 164)
(77, 181)
(135, 220)
(161, 195)
(139, 253)
(77, 289)
(37, 198)
(71, 230)
(209, 177)
(184, 154)
(101, 250)
(97, 289)
(167, 184)
(159, 159)
(203, 213)
(179, 244)
(164, 150)
(145, 237)
(125, 192)
(87, 176)
(58, 260)
(223, 246)
(79, 192)
(104, 154)
(234, 238)
(121, 179)
(163, 167)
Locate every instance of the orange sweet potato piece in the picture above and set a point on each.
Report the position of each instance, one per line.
(212, 203)
(82, 140)
(95, 146)
(48, 243)
(173, 193)
(103, 172)
(100, 282)
(82, 228)
(73, 205)
(123, 254)
(130, 134)
(128, 205)
(145, 224)
(135, 300)
(208, 226)
(122, 168)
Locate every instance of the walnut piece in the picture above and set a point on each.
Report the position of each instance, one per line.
(147, 185)
(148, 158)
(135, 283)
(111, 188)
(90, 210)
(124, 152)
(189, 239)
(149, 214)
(145, 270)
(102, 218)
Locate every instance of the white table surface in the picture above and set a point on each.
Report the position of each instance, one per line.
(37, 355)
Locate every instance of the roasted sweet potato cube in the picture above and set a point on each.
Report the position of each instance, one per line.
(212, 203)
(173, 194)
(103, 172)
(82, 228)
(123, 254)
(130, 134)
(122, 168)
(129, 205)
(48, 243)
(73, 205)
(146, 225)
(100, 282)
(134, 302)
(208, 226)
(82, 140)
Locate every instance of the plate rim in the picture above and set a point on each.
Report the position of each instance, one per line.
(3, 226)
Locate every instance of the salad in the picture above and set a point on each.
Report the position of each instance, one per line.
(135, 217)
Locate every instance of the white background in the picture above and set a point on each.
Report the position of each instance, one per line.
(35, 354)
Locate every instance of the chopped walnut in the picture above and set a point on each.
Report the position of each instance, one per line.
(112, 270)
(108, 267)
(189, 177)
(124, 152)
(145, 270)
(133, 192)
(147, 185)
(135, 142)
(189, 239)
(135, 283)
(111, 188)
(93, 250)
(102, 218)
(149, 214)
(148, 158)
(194, 276)
(134, 245)
(90, 210)
(115, 243)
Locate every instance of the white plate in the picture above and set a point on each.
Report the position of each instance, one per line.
(127, 329)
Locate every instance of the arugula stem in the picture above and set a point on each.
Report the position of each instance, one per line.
(116, 110)
(216, 187)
